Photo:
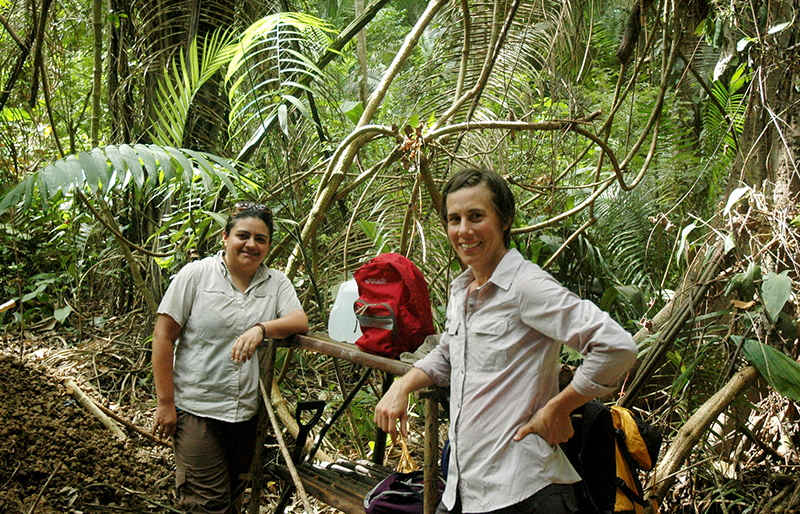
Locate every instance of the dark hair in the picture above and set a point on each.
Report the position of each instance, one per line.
(244, 210)
(502, 198)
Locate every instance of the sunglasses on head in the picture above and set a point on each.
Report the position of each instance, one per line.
(243, 206)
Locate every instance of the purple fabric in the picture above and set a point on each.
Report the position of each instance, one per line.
(399, 493)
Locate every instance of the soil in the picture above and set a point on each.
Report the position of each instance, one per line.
(55, 457)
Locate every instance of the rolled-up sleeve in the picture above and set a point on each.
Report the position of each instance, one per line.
(559, 314)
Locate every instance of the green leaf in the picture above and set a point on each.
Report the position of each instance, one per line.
(101, 164)
(187, 170)
(112, 152)
(218, 218)
(779, 27)
(353, 110)
(701, 28)
(163, 160)
(207, 171)
(729, 243)
(89, 170)
(14, 195)
(775, 291)
(61, 314)
(33, 294)
(149, 161)
(735, 196)
(64, 176)
(782, 373)
(132, 160)
(283, 119)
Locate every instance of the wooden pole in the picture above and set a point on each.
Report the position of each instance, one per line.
(430, 465)
(92, 407)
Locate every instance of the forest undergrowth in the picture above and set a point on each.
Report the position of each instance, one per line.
(56, 457)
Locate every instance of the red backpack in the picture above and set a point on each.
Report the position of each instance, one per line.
(393, 308)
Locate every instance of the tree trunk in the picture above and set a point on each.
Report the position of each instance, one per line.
(97, 82)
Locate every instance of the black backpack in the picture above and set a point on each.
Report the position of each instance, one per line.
(607, 450)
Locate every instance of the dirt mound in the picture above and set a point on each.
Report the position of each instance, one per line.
(58, 456)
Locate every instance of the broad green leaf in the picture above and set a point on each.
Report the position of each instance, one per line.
(187, 170)
(90, 171)
(50, 181)
(101, 164)
(33, 294)
(14, 195)
(112, 152)
(218, 218)
(775, 291)
(64, 176)
(208, 171)
(61, 314)
(148, 159)
(132, 160)
(735, 196)
(782, 373)
(163, 160)
(729, 243)
(779, 27)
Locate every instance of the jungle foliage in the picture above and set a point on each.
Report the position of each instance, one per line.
(651, 146)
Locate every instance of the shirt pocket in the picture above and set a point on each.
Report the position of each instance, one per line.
(488, 344)
(216, 315)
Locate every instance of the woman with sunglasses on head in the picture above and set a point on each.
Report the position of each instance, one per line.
(212, 318)
(506, 322)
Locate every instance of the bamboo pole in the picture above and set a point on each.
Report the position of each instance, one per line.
(88, 404)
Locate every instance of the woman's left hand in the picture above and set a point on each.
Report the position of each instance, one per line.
(245, 346)
(552, 421)
(553, 426)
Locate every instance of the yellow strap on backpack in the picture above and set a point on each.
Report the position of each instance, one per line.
(623, 419)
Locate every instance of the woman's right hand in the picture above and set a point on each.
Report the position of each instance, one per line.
(393, 406)
(165, 420)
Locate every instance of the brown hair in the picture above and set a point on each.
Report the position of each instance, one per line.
(502, 198)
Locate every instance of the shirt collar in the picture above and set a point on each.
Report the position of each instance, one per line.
(262, 273)
(502, 276)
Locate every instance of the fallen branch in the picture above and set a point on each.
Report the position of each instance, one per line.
(691, 432)
(133, 427)
(285, 450)
(93, 408)
(8, 305)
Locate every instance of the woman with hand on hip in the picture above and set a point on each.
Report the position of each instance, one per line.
(212, 318)
(506, 322)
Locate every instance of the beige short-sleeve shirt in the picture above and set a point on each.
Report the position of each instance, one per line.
(213, 313)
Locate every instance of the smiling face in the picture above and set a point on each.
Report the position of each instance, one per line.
(475, 230)
(246, 245)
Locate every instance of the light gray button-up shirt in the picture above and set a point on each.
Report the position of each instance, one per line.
(499, 353)
(213, 314)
